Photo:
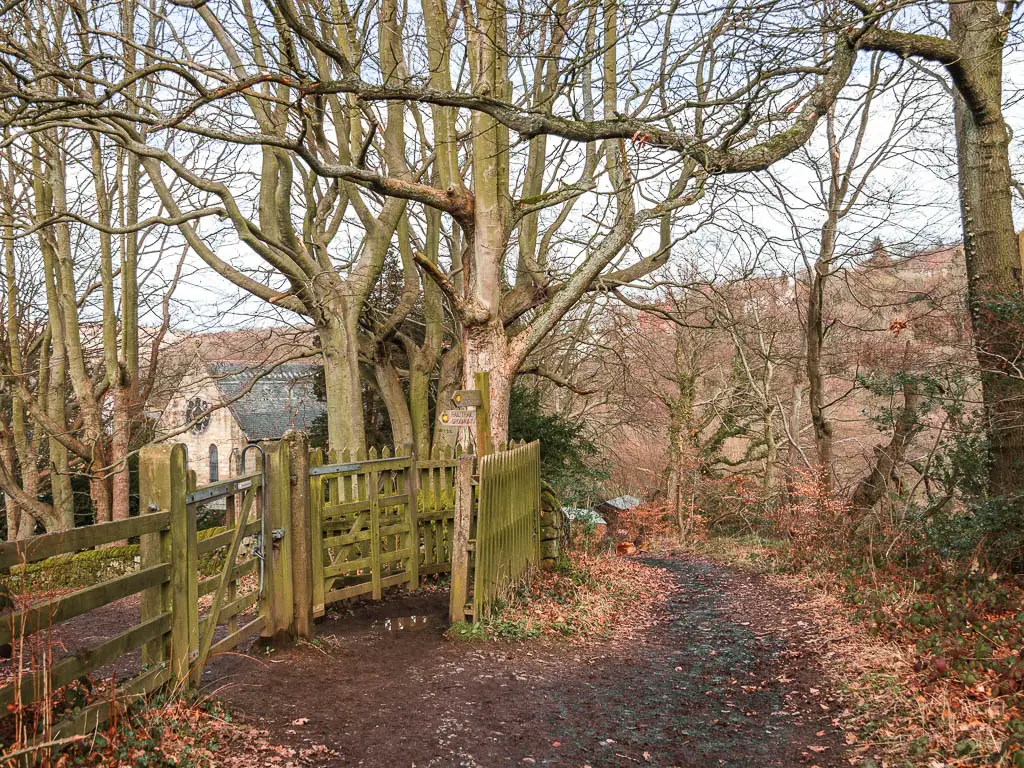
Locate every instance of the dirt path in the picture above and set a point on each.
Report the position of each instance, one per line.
(728, 676)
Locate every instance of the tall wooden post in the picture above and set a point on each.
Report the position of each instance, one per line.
(162, 487)
(277, 549)
(300, 535)
(412, 488)
(482, 381)
(316, 552)
(460, 537)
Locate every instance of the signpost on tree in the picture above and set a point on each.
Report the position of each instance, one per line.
(473, 409)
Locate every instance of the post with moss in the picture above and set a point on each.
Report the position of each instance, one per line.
(300, 533)
(163, 484)
(460, 537)
(277, 548)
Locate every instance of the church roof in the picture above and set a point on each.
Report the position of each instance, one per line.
(269, 403)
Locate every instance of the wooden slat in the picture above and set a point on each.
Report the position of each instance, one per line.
(345, 509)
(205, 633)
(394, 581)
(344, 594)
(394, 500)
(366, 466)
(374, 533)
(340, 568)
(62, 542)
(232, 640)
(345, 539)
(224, 538)
(229, 487)
(507, 532)
(63, 608)
(80, 663)
(316, 503)
(427, 517)
(244, 568)
(232, 609)
(436, 463)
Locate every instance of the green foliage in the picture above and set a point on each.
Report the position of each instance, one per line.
(962, 622)
(993, 527)
(468, 632)
(958, 519)
(566, 449)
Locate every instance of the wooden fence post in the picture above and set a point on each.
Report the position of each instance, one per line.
(460, 537)
(412, 489)
(277, 550)
(373, 494)
(482, 381)
(316, 503)
(162, 486)
(300, 534)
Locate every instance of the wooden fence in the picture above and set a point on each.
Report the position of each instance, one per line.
(507, 539)
(298, 534)
(160, 580)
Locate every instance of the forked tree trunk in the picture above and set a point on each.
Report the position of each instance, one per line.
(875, 484)
(393, 394)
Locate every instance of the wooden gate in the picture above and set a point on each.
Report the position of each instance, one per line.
(435, 508)
(229, 566)
(507, 539)
(363, 523)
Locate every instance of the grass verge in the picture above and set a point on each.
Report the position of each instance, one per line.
(585, 596)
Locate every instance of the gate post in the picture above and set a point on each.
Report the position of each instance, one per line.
(277, 552)
(163, 487)
(460, 537)
(300, 533)
(412, 489)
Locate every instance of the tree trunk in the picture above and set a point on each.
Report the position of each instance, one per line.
(448, 381)
(339, 342)
(419, 399)
(485, 348)
(990, 244)
(120, 440)
(872, 487)
(793, 456)
(815, 343)
(391, 391)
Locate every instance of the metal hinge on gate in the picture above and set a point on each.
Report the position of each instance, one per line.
(277, 534)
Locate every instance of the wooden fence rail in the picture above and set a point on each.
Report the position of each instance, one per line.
(158, 579)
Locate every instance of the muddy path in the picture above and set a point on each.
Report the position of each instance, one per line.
(730, 675)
